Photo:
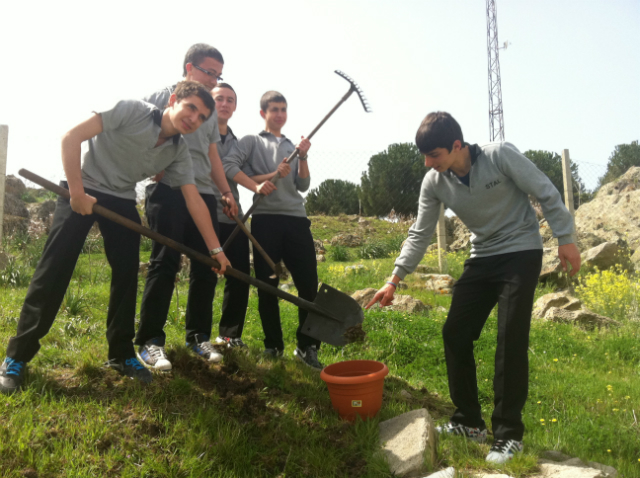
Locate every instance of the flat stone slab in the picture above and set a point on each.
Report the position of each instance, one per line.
(559, 470)
(407, 440)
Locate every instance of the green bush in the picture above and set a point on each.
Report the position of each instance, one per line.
(339, 254)
(28, 197)
(374, 249)
(14, 275)
(394, 243)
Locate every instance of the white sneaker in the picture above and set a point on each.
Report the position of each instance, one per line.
(206, 350)
(503, 451)
(153, 356)
(474, 434)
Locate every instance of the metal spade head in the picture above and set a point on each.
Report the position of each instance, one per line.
(344, 313)
(357, 89)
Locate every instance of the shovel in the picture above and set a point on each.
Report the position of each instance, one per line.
(331, 314)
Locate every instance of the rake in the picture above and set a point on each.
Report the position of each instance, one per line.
(354, 88)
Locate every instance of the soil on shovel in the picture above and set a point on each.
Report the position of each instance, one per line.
(355, 334)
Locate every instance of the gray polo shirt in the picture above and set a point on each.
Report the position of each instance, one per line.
(261, 154)
(224, 149)
(125, 152)
(198, 143)
(495, 206)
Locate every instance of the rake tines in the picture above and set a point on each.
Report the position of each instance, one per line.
(357, 89)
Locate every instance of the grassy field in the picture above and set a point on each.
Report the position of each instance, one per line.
(250, 417)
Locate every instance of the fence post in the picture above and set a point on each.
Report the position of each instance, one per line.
(4, 143)
(568, 183)
(442, 238)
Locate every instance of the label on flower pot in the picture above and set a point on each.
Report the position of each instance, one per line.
(356, 403)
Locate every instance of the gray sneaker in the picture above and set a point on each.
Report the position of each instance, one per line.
(503, 451)
(206, 350)
(309, 356)
(473, 434)
(273, 353)
(153, 356)
(11, 375)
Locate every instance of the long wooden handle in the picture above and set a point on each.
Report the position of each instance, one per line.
(235, 232)
(192, 254)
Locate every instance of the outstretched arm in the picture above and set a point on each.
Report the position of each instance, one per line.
(81, 202)
(200, 214)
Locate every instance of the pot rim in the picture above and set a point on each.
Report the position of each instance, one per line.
(370, 377)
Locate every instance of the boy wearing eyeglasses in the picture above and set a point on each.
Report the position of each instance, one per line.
(167, 214)
(126, 144)
(280, 221)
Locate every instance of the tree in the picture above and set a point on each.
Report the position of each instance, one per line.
(622, 158)
(333, 197)
(393, 181)
(551, 165)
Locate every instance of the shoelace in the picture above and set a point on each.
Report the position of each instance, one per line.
(157, 352)
(134, 363)
(14, 367)
(503, 446)
(207, 347)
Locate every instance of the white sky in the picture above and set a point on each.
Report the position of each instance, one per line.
(570, 77)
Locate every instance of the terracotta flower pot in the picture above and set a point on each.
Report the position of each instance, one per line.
(355, 387)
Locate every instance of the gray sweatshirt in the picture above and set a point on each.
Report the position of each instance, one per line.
(495, 206)
(261, 154)
(223, 150)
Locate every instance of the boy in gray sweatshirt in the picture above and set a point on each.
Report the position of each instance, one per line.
(488, 188)
(280, 221)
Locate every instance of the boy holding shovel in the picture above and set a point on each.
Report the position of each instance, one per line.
(280, 221)
(488, 188)
(128, 143)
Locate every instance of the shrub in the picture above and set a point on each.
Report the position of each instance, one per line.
(374, 249)
(394, 243)
(75, 303)
(612, 292)
(339, 254)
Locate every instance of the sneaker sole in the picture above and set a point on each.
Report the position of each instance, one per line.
(153, 367)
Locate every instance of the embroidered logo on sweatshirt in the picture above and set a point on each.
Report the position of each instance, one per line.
(492, 184)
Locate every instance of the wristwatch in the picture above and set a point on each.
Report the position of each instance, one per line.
(215, 251)
(305, 157)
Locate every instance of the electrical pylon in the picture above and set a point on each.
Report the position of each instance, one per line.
(496, 121)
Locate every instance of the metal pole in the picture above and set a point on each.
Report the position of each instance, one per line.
(4, 143)
(568, 182)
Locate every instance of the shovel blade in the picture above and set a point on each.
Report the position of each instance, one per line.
(344, 311)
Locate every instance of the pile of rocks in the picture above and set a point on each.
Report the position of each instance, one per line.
(564, 307)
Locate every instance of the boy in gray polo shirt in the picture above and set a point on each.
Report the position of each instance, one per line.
(488, 187)
(126, 144)
(280, 221)
(167, 214)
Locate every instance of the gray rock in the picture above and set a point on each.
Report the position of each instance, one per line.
(439, 283)
(603, 257)
(610, 471)
(559, 470)
(583, 318)
(320, 258)
(406, 440)
(446, 473)
(406, 303)
(14, 185)
(551, 267)
(45, 209)
(555, 455)
(364, 296)
(13, 206)
(561, 300)
(348, 240)
(425, 269)
(574, 462)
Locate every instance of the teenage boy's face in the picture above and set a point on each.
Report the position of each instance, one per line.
(208, 80)
(276, 116)
(188, 114)
(441, 159)
(225, 102)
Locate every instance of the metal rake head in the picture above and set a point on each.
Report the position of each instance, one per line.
(357, 89)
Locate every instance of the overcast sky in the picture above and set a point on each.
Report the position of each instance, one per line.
(570, 76)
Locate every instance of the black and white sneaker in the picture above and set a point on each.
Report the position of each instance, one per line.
(11, 375)
(309, 356)
(205, 349)
(153, 356)
(230, 343)
(474, 434)
(503, 451)
(273, 353)
(131, 368)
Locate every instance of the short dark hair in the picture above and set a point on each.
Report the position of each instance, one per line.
(187, 88)
(438, 130)
(197, 53)
(227, 85)
(271, 97)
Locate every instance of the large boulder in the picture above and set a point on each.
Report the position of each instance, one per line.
(364, 296)
(319, 246)
(347, 240)
(562, 300)
(406, 440)
(460, 237)
(604, 256)
(406, 303)
(583, 318)
(13, 206)
(14, 186)
(438, 283)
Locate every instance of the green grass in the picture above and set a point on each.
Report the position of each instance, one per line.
(250, 417)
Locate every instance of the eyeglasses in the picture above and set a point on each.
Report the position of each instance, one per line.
(215, 75)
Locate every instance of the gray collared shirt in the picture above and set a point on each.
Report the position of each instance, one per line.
(494, 206)
(261, 154)
(126, 152)
(198, 143)
(224, 149)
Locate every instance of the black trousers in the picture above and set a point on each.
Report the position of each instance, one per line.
(286, 238)
(55, 268)
(236, 292)
(508, 280)
(167, 214)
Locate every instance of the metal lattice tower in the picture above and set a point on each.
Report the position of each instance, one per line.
(496, 121)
